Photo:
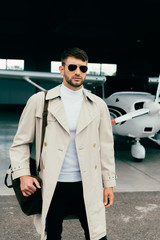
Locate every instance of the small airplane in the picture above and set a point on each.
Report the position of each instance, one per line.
(133, 114)
(136, 115)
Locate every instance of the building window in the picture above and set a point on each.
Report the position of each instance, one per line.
(94, 69)
(55, 66)
(108, 69)
(101, 69)
(11, 64)
(3, 63)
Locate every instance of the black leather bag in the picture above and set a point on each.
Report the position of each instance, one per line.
(32, 204)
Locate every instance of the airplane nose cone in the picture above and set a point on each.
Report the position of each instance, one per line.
(154, 107)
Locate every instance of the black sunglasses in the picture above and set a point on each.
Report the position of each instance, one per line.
(73, 67)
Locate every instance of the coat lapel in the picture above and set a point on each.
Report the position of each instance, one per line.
(87, 115)
(56, 107)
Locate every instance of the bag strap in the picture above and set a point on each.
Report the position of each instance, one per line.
(44, 124)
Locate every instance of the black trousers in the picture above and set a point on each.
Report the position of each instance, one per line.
(67, 199)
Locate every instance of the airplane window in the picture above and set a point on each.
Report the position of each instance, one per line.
(138, 105)
(148, 129)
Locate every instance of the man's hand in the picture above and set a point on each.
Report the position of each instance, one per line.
(28, 185)
(108, 196)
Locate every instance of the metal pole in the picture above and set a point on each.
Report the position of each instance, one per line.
(33, 83)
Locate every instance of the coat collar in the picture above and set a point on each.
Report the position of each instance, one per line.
(56, 107)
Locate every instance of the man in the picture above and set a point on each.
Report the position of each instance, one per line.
(77, 160)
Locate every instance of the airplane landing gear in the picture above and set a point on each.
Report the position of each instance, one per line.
(138, 151)
(156, 138)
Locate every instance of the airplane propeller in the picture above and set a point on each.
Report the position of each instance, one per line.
(130, 115)
(151, 108)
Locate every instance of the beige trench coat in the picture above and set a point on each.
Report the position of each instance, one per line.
(94, 144)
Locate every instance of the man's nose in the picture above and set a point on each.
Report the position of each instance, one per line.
(77, 71)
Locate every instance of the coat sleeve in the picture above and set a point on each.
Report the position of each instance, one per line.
(20, 149)
(107, 148)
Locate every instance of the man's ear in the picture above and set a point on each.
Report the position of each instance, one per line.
(61, 69)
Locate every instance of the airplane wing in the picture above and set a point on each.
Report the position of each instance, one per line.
(32, 76)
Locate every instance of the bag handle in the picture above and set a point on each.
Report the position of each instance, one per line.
(44, 124)
(9, 171)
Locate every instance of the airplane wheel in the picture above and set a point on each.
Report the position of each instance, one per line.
(138, 159)
(138, 151)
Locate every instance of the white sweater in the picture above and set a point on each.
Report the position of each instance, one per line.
(72, 100)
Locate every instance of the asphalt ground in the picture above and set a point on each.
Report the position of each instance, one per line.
(134, 216)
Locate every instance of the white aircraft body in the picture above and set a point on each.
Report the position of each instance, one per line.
(136, 115)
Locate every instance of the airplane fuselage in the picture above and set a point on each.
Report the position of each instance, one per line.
(143, 126)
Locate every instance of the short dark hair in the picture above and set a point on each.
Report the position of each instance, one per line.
(74, 52)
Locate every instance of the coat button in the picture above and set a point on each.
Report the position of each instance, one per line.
(45, 144)
(94, 145)
(95, 167)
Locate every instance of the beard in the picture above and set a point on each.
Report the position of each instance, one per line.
(73, 82)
